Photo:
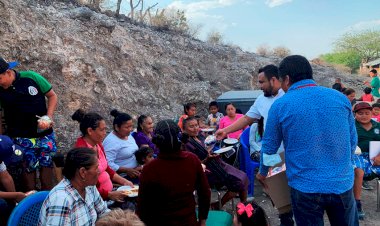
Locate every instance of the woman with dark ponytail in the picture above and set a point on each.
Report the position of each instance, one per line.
(93, 128)
(120, 147)
(167, 183)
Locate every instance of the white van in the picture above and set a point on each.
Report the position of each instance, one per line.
(241, 99)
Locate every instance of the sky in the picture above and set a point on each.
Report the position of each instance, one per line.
(306, 27)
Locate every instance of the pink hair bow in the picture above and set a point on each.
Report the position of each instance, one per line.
(248, 209)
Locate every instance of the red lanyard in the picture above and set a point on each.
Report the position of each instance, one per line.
(308, 85)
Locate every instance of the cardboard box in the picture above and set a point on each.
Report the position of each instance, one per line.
(279, 190)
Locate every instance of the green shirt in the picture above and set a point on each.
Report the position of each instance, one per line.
(364, 136)
(22, 102)
(375, 83)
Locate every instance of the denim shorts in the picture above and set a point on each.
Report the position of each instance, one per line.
(38, 152)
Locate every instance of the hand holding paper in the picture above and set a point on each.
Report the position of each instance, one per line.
(374, 152)
(376, 160)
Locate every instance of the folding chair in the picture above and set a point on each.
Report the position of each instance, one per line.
(246, 164)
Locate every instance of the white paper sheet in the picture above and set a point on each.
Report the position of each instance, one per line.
(374, 149)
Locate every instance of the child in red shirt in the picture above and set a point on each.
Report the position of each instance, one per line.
(367, 96)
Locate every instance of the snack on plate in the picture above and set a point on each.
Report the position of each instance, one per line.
(44, 122)
(129, 191)
(126, 192)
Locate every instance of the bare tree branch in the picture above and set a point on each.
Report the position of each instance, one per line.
(148, 11)
(118, 7)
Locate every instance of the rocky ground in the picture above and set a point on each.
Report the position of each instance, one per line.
(368, 201)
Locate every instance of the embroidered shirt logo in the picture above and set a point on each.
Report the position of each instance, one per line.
(32, 90)
(377, 131)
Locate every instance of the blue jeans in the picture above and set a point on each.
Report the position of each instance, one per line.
(309, 208)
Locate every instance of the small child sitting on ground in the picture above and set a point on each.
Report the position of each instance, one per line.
(367, 96)
(250, 214)
(214, 117)
(144, 155)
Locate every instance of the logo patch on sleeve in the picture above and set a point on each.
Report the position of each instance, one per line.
(32, 90)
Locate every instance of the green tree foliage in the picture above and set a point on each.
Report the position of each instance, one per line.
(365, 43)
(350, 59)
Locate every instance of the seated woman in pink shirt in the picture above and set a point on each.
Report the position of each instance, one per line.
(229, 119)
(93, 128)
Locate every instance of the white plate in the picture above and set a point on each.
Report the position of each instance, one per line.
(207, 130)
(231, 141)
(222, 150)
(133, 192)
(210, 140)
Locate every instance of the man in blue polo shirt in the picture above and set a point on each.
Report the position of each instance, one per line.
(22, 96)
(317, 127)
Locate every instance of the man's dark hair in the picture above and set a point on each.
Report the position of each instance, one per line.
(376, 105)
(296, 67)
(269, 71)
(373, 71)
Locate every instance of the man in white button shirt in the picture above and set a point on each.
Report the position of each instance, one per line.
(271, 86)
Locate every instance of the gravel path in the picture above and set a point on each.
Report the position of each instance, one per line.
(368, 201)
